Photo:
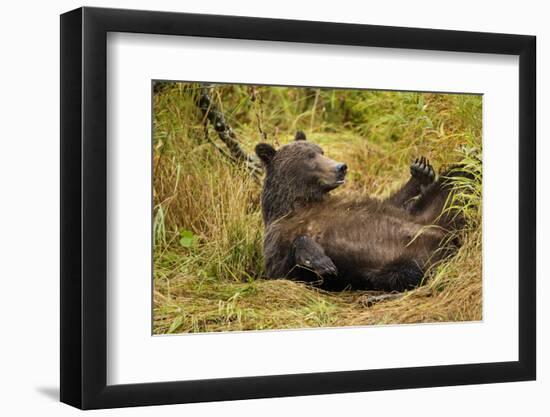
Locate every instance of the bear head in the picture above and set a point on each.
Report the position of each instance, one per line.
(297, 172)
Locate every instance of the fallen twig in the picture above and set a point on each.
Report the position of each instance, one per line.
(370, 300)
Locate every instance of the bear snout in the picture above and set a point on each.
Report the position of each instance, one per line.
(341, 170)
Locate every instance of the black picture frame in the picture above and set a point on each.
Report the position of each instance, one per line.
(84, 207)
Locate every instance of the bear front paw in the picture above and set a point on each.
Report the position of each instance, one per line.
(310, 255)
(321, 265)
(422, 171)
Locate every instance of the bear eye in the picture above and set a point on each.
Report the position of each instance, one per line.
(311, 155)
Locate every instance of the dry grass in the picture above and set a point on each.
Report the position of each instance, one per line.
(211, 280)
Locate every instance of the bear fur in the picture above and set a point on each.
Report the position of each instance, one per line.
(338, 243)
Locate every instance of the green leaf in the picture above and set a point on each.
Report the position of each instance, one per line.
(187, 238)
(175, 324)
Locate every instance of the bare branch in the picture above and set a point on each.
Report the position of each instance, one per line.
(226, 133)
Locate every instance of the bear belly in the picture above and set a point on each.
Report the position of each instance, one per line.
(370, 242)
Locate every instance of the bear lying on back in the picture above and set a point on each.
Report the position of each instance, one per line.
(336, 243)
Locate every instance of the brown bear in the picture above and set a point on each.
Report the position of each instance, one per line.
(340, 243)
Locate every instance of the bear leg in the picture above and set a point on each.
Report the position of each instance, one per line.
(398, 276)
(422, 175)
(430, 207)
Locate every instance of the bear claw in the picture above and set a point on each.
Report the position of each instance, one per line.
(422, 171)
(321, 265)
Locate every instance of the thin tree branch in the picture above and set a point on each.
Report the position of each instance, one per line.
(226, 133)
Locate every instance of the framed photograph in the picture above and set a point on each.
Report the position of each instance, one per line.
(258, 208)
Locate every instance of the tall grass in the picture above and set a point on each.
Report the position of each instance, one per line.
(207, 222)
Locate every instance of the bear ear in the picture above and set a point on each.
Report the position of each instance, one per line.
(265, 152)
(300, 135)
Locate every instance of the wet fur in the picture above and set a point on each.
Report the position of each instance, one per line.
(339, 243)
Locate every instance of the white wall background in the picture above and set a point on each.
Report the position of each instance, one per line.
(29, 182)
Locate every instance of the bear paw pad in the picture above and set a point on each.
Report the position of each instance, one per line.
(422, 171)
